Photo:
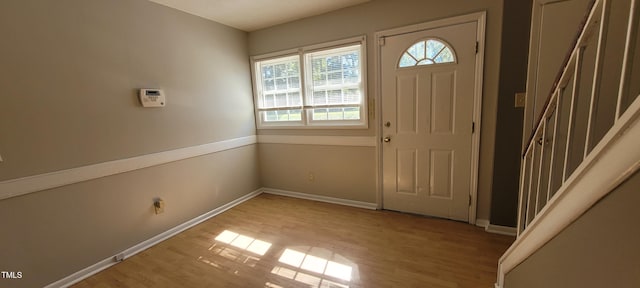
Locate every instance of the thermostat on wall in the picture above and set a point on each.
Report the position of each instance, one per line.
(152, 98)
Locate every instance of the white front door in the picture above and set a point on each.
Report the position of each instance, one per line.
(428, 82)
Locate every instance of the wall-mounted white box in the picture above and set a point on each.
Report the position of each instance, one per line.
(152, 97)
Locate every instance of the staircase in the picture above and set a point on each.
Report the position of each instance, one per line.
(586, 140)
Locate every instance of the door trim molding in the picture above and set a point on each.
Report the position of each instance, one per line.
(480, 19)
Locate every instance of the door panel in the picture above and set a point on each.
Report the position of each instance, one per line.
(441, 174)
(429, 108)
(407, 101)
(442, 103)
(407, 171)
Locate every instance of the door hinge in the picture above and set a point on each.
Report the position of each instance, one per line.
(477, 45)
(473, 127)
(381, 41)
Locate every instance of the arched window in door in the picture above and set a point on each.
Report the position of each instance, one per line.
(427, 52)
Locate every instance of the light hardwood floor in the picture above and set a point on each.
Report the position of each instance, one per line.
(274, 241)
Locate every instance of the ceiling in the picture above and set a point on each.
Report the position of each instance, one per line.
(251, 15)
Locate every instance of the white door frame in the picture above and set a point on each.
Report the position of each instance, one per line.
(480, 19)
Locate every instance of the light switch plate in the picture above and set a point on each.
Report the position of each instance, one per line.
(521, 99)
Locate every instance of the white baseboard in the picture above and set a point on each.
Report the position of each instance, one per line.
(496, 229)
(503, 230)
(484, 223)
(352, 203)
(108, 262)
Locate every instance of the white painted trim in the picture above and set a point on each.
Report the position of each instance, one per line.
(367, 141)
(502, 230)
(30, 184)
(477, 115)
(108, 262)
(480, 19)
(496, 229)
(484, 223)
(611, 162)
(346, 202)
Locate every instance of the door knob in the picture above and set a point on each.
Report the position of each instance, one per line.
(386, 139)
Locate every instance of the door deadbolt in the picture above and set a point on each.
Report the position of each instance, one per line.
(388, 124)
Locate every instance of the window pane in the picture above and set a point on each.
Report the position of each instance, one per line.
(444, 57)
(417, 50)
(293, 68)
(336, 114)
(352, 96)
(433, 48)
(320, 114)
(269, 85)
(282, 115)
(280, 86)
(267, 72)
(352, 113)
(295, 115)
(319, 98)
(407, 60)
(294, 82)
(269, 101)
(334, 64)
(336, 75)
(319, 65)
(320, 79)
(281, 100)
(436, 52)
(351, 76)
(426, 62)
(335, 96)
(280, 70)
(295, 99)
(335, 78)
(271, 116)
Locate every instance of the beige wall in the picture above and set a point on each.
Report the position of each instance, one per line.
(71, 70)
(600, 249)
(68, 83)
(367, 19)
(51, 234)
(331, 169)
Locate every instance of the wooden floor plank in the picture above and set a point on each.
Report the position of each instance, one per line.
(338, 246)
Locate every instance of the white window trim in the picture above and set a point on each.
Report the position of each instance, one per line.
(306, 122)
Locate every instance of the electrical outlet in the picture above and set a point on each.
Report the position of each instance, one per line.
(119, 257)
(158, 204)
(311, 177)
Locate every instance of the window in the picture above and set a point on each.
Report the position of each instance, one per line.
(427, 52)
(319, 86)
